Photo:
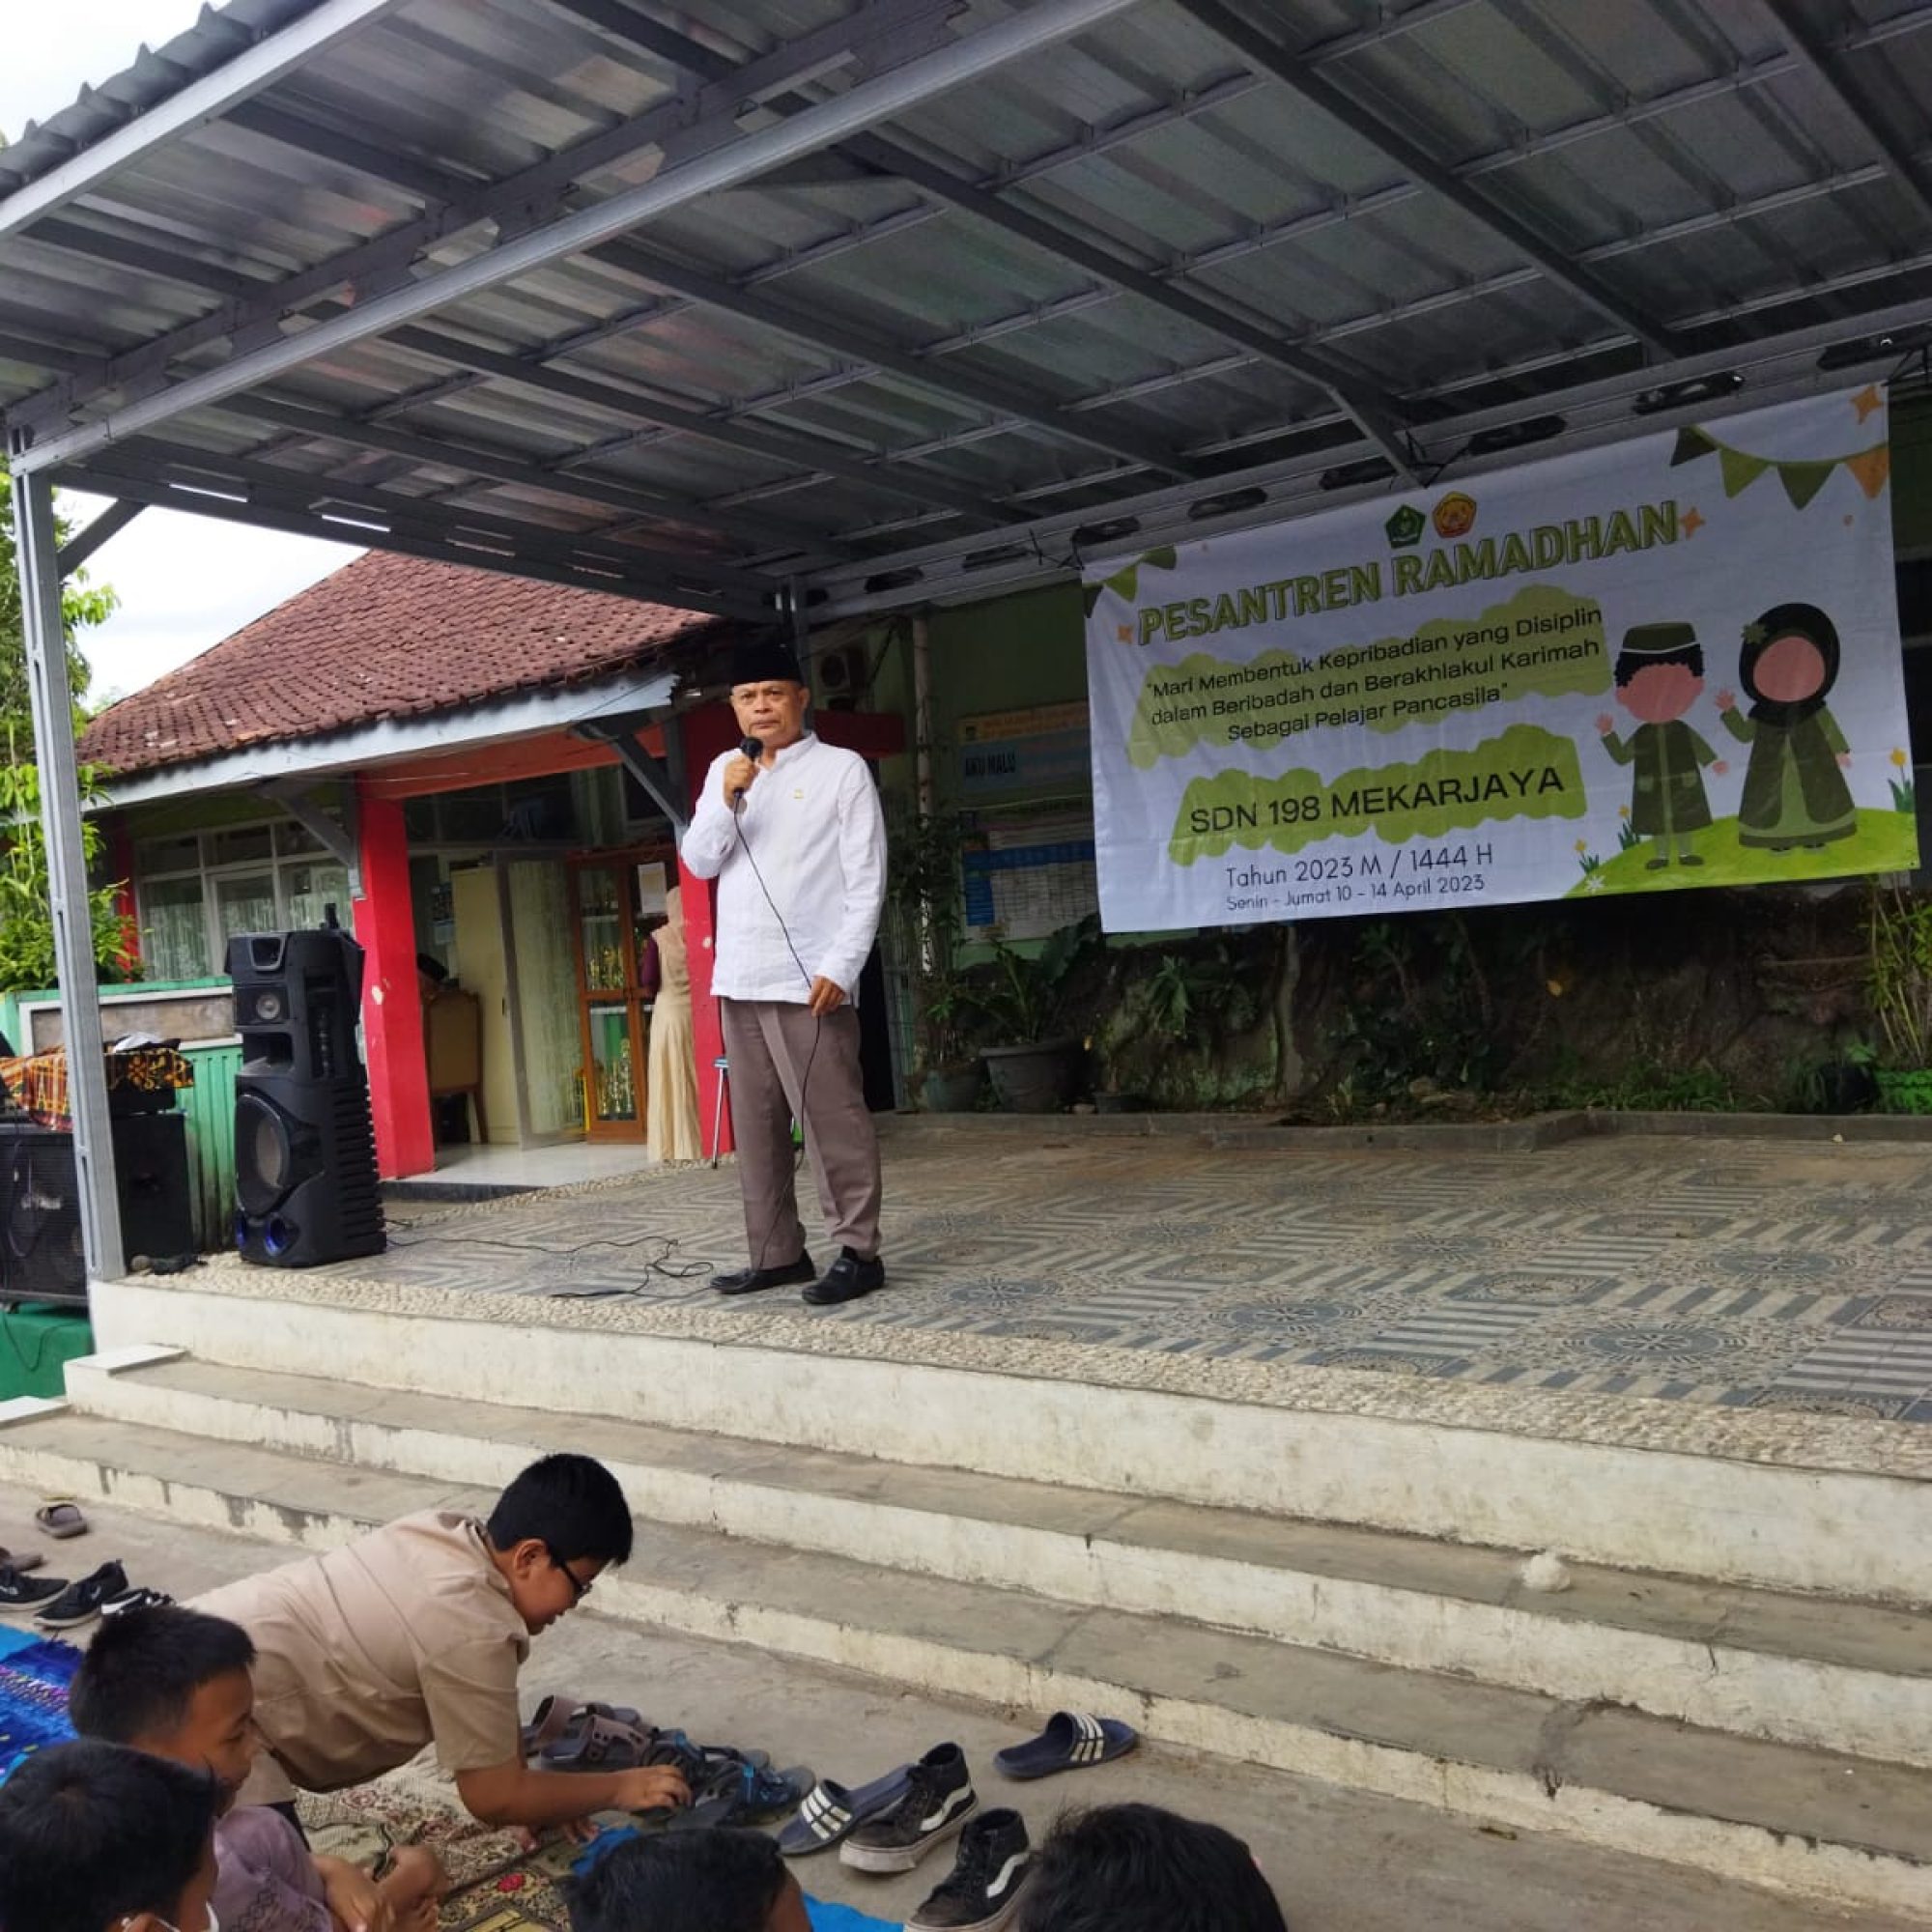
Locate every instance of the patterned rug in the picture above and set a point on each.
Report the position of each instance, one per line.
(33, 1675)
(495, 1885)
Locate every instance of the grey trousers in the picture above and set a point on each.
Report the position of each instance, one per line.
(771, 1045)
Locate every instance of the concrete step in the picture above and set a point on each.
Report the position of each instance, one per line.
(1807, 1670)
(1848, 1831)
(1635, 1487)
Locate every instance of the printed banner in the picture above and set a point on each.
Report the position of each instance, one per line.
(1673, 663)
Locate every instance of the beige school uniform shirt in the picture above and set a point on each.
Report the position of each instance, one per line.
(365, 1655)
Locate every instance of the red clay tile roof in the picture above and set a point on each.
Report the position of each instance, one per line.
(385, 636)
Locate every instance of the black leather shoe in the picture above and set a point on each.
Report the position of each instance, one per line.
(751, 1281)
(846, 1280)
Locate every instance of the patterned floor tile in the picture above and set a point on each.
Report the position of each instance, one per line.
(1746, 1275)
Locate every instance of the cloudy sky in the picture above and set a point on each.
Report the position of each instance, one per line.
(186, 582)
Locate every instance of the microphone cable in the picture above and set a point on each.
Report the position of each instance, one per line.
(751, 748)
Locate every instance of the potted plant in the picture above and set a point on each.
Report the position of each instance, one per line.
(952, 1073)
(1900, 985)
(1035, 1064)
(923, 884)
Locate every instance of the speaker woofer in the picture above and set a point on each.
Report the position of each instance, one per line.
(265, 1147)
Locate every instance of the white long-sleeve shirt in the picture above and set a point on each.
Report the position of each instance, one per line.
(812, 821)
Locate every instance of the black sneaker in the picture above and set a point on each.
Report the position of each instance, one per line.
(846, 1280)
(754, 1281)
(26, 1593)
(995, 1857)
(136, 1598)
(80, 1602)
(939, 1800)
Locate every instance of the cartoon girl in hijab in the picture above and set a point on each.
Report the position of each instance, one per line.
(1794, 792)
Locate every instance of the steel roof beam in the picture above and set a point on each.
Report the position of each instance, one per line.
(366, 156)
(533, 372)
(739, 158)
(519, 471)
(189, 467)
(1597, 410)
(103, 529)
(1374, 413)
(192, 480)
(852, 339)
(1299, 76)
(199, 103)
(1377, 415)
(259, 516)
(1853, 100)
(383, 263)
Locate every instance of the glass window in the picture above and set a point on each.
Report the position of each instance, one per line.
(242, 845)
(292, 836)
(307, 890)
(174, 931)
(180, 854)
(245, 904)
(472, 817)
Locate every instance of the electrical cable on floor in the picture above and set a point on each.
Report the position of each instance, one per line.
(659, 1265)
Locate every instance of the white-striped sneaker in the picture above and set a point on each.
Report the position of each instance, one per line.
(983, 1892)
(939, 1800)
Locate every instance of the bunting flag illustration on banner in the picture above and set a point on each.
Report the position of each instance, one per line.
(1803, 477)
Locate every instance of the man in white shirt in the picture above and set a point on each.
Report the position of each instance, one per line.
(797, 843)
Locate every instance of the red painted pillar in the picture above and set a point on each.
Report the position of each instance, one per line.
(121, 866)
(707, 733)
(393, 1028)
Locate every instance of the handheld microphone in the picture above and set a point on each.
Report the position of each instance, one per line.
(753, 749)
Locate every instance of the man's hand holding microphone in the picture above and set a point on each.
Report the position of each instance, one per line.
(740, 770)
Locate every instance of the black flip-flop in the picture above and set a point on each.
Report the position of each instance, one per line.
(830, 1812)
(1072, 1741)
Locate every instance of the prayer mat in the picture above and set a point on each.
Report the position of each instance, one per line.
(495, 1885)
(33, 1675)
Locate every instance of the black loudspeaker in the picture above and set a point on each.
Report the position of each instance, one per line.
(41, 1256)
(305, 1183)
(152, 1180)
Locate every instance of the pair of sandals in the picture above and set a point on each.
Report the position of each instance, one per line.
(728, 1786)
(1072, 1741)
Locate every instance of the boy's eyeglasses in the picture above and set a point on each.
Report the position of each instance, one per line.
(580, 1589)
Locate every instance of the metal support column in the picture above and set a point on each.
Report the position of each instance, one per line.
(66, 875)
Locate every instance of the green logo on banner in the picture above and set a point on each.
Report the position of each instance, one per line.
(1404, 528)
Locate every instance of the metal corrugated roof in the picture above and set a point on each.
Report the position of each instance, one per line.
(1171, 251)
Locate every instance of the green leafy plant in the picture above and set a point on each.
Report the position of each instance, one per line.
(1420, 1009)
(26, 916)
(1023, 996)
(1899, 974)
(924, 887)
(1189, 996)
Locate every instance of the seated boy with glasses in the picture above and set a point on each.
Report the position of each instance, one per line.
(415, 1634)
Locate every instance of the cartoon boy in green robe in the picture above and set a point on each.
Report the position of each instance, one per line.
(1660, 675)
